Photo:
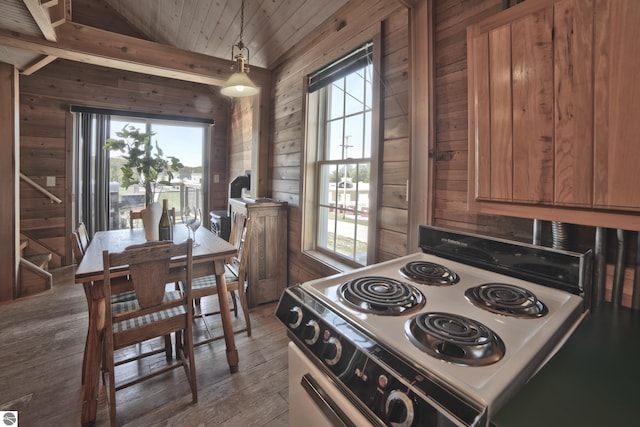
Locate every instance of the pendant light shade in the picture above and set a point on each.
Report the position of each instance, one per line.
(239, 84)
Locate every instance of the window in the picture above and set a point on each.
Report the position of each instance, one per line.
(183, 140)
(100, 201)
(339, 157)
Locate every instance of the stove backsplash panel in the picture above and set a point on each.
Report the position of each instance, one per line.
(569, 271)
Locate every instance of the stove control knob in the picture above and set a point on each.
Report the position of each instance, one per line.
(399, 409)
(311, 332)
(295, 317)
(332, 351)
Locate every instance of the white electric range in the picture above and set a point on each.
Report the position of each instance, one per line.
(440, 337)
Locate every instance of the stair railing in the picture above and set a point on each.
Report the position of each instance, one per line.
(52, 197)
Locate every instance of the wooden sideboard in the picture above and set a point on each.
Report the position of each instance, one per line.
(267, 267)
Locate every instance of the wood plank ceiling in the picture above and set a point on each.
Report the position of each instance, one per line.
(271, 27)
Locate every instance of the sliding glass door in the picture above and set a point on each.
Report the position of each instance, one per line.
(183, 140)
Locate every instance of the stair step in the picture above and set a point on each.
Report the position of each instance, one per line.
(41, 260)
(23, 244)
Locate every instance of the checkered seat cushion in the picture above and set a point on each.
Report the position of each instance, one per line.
(124, 306)
(123, 296)
(208, 281)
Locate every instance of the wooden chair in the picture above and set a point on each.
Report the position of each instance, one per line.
(154, 313)
(137, 215)
(133, 216)
(235, 278)
(121, 288)
(76, 246)
(78, 254)
(83, 236)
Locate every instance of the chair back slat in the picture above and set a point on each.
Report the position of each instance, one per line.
(76, 246)
(237, 228)
(238, 263)
(147, 278)
(83, 236)
(238, 225)
(243, 251)
(149, 269)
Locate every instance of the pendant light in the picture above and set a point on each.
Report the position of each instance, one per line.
(239, 84)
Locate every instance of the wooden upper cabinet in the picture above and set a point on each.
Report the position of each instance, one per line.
(617, 104)
(554, 104)
(532, 74)
(511, 64)
(573, 95)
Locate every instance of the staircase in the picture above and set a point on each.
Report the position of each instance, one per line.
(36, 257)
(33, 274)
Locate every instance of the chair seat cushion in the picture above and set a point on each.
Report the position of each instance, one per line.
(125, 306)
(208, 281)
(123, 296)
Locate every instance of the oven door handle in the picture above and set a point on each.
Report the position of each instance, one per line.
(324, 402)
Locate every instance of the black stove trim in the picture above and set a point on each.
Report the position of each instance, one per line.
(457, 404)
(508, 257)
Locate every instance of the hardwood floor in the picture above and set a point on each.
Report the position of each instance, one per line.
(41, 345)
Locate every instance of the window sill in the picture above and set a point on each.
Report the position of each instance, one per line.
(329, 262)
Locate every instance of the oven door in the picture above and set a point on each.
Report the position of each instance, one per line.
(314, 400)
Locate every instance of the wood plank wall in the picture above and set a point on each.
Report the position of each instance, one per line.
(449, 204)
(9, 251)
(451, 18)
(45, 132)
(240, 138)
(353, 25)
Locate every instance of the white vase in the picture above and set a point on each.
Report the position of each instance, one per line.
(150, 219)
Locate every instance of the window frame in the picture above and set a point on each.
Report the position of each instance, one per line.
(314, 118)
(146, 122)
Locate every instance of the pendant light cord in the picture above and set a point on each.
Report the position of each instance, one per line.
(240, 43)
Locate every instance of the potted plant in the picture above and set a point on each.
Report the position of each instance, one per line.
(147, 165)
(145, 162)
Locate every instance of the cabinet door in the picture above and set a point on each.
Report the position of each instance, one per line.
(532, 80)
(617, 104)
(511, 69)
(573, 80)
(493, 112)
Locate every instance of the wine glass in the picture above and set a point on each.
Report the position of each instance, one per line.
(195, 224)
(188, 217)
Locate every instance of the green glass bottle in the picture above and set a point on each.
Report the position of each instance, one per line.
(165, 228)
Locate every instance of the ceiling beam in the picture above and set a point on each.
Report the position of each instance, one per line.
(38, 64)
(408, 3)
(94, 46)
(59, 11)
(40, 14)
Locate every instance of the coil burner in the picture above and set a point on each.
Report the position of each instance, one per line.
(506, 299)
(455, 339)
(429, 273)
(381, 295)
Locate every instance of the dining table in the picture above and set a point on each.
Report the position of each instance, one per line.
(209, 255)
